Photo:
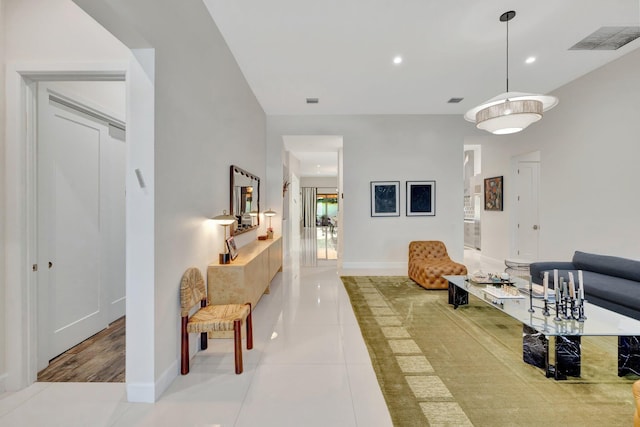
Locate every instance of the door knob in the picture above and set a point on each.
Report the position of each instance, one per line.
(535, 227)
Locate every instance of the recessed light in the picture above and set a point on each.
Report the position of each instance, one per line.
(530, 60)
(397, 60)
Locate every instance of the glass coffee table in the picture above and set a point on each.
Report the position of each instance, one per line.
(514, 300)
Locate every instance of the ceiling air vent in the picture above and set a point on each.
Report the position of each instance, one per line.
(608, 38)
(454, 100)
(312, 100)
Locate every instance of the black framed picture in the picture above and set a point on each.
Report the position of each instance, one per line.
(493, 194)
(233, 250)
(385, 198)
(421, 198)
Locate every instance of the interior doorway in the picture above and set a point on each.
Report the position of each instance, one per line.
(526, 222)
(80, 232)
(315, 161)
(327, 212)
(472, 196)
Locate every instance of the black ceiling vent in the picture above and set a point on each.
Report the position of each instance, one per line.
(608, 38)
(454, 100)
(312, 100)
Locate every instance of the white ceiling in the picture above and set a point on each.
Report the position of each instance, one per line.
(341, 51)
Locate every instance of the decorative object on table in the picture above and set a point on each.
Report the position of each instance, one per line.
(517, 267)
(233, 250)
(269, 214)
(482, 278)
(493, 194)
(510, 112)
(566, 299)
(210, 318)
(385, 198)
(263, 237)
(225, 221)
(421, 198)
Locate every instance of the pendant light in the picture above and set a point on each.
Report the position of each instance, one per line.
(510, 112)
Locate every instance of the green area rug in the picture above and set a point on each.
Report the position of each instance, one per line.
(438, 366)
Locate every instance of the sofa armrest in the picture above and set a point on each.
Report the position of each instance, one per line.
(537, 268)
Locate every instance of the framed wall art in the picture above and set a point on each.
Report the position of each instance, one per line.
(493, 194)
(385, 198)
(421, 198)
(233, 249)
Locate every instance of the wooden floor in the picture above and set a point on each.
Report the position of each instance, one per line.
(97, 359)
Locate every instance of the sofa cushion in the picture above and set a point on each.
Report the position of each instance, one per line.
(621, 291)
(609, 265)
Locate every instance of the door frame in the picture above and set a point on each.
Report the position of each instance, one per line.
(21, 206)
(513, 194)
(139, 74)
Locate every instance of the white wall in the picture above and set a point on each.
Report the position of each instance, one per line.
(3, 319)
(380, 148)
(589, 148)
(206, 119)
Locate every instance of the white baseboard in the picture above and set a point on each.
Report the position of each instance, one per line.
(150, 392)
(167, 377)
(141, 392)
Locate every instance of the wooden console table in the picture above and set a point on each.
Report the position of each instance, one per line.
(247, 277)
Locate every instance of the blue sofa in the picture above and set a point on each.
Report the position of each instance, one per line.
(610, 282)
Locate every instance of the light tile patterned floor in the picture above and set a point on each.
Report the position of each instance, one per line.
(288, 379)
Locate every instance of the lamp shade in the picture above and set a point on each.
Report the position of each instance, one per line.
(224, 219)
(510, 112)
(253, 213)
(270, 213)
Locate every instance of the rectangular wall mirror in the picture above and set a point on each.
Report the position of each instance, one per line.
(245, 199)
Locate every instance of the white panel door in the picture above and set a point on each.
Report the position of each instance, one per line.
(74, 238)
(527, 225)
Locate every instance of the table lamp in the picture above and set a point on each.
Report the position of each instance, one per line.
(269, 214)
(253, 214)
(225, 221)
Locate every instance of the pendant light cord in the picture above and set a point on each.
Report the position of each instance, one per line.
(507, 55)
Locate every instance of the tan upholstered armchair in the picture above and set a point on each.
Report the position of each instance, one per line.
(636, 395)
(429, 261)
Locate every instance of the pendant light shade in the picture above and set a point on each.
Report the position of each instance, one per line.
(510, 112)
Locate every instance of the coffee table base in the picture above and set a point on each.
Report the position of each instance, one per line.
(535, 351)
(457, 296)
(628, 355)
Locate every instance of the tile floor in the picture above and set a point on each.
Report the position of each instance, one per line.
(309, 367)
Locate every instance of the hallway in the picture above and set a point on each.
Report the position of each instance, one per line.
(309, 366)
